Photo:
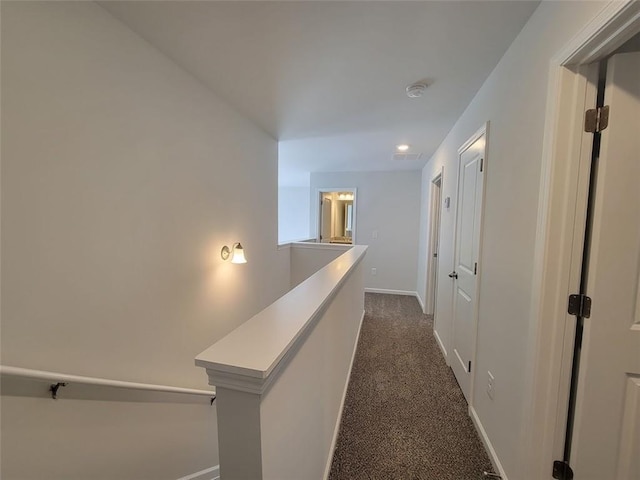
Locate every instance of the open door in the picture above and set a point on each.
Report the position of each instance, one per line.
(605, 441)
(325, 219)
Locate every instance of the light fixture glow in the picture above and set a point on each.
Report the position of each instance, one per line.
(236, 253)
(402, 147)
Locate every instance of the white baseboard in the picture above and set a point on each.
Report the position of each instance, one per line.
(421, 303)
(441, 345)
(212, 473)
(392, 292)
(493, 456)
(336, 430)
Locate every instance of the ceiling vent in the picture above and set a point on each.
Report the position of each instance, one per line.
(407, 156)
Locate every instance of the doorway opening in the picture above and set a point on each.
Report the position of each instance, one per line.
(336, 216)
(435, 210)
(605, 379)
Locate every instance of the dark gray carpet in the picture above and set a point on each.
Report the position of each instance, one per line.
(404, 416)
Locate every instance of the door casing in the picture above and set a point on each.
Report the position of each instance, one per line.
(435, 213)
(560, 231)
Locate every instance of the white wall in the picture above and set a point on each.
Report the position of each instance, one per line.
(389, 203)
(513, 99)
(120, 183)
(306, 259)
(293, 213)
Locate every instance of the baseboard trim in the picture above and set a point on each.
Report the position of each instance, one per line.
(212, 473)
(493, 456)
(421, 303)
(336, 430)
(392, 292)
(441, 345)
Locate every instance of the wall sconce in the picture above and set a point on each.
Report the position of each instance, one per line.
(236, 252)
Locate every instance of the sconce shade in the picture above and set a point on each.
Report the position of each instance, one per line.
(238, 254)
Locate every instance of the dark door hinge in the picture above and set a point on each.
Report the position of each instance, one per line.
(481, 164)
(579, 305)
(596, 119)
(562, 470)
(469, 366)
(435, 255)
(475, 268)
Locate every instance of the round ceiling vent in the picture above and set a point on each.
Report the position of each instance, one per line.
(416, 90)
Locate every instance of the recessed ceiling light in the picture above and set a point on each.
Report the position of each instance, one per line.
(402, 147)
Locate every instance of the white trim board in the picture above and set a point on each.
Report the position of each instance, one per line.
(421, 302)
(336, 430)
(392, 292)
(441, 345)
(493, 456)
(212, 473)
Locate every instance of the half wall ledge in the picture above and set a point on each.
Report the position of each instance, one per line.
(249, 358)
(281, 377)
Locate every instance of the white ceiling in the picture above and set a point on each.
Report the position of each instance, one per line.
(327, 78)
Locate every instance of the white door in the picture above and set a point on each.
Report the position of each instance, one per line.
(606, 436)
(325, 220)
(465, 298)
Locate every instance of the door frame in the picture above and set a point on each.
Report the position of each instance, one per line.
(435, 216)
(482, 131)
(318, 210)
(560, 231)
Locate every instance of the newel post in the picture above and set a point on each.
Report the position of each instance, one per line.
(239, 395)
(239, 436)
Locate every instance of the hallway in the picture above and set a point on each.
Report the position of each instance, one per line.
(404, 416)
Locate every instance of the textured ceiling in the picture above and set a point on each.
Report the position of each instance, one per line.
(327, 79)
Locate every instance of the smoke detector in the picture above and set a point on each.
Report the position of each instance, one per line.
(415, 90)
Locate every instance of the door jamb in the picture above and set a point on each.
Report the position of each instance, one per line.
(562, 206)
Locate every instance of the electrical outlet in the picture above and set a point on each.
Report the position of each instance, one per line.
(374, 271)
(490, 385)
